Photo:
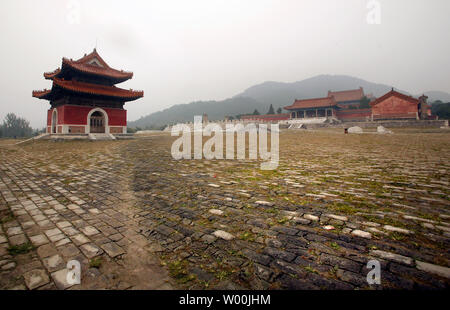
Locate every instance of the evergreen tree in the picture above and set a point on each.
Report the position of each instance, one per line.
(442, 110)
(271, 111)
(279, 110)
(364, 103)
(256, 112)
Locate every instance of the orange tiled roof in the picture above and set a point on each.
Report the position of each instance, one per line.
(83, 65)
(397, 94)
(41, 93)
(91, 89)
(347, 95)
(312, 103)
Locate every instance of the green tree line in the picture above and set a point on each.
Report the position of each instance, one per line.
(16, 127)
(441, 109)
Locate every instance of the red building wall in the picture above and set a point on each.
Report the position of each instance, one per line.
(77, 115)
(354, 114)
(49, 117)
(395, 107)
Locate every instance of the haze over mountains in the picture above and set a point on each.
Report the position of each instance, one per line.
(262, 95)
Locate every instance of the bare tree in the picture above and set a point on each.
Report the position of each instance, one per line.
(14, 126)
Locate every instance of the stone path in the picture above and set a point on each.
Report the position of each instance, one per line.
(135, 218)
(58, 206)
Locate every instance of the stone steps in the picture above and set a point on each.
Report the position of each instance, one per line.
(101, 136)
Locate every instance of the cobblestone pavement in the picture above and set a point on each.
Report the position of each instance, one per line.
(135, 218)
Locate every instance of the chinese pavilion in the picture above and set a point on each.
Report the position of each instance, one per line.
(347, 98)
(84, 98)
(317, 107)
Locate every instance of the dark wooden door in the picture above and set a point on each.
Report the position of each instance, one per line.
(97, 123)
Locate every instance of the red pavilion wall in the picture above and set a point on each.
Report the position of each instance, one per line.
(77, 115)
(49, 117)
(394, 107)
(76, 118)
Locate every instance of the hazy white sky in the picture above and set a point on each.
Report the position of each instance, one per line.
(181, 51)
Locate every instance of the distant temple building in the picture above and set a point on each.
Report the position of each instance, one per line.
(313, 108)
(395, 105)
(341, 105)
(345, 106)
(347, 98)
(84, 98)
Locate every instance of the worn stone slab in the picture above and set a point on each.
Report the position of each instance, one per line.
(362, 234)
(46, 250)
(264, 203)
(112, 249)
(91, 250)
(12, 231)
(69, 250)
(18, 239)
(39, 240)
(223, 234)
(60, 279)
(393, 257)
(3, 239)
(216, 211)
(80, 239)
(337, 217)
(54, 263)
(89, 230)
(52, 232)
(57, 237)
(434, 269)
(311, 217)
(36, 278)
(63, 224)
(397, 229)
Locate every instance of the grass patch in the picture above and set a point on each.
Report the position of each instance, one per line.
(343, 208)
(397, 236)
(221, 275)
(282, 220)
(335, 246)
(310, 269)
(21, 249)
(95, 262)
(8, 217)
(178, 271)
(247, 236)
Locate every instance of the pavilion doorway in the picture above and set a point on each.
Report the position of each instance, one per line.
(97, 122)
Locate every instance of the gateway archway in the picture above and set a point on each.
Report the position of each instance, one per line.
(97, 122)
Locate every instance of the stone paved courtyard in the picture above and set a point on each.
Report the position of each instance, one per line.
(137, 219)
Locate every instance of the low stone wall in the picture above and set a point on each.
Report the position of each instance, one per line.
(386, 124)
